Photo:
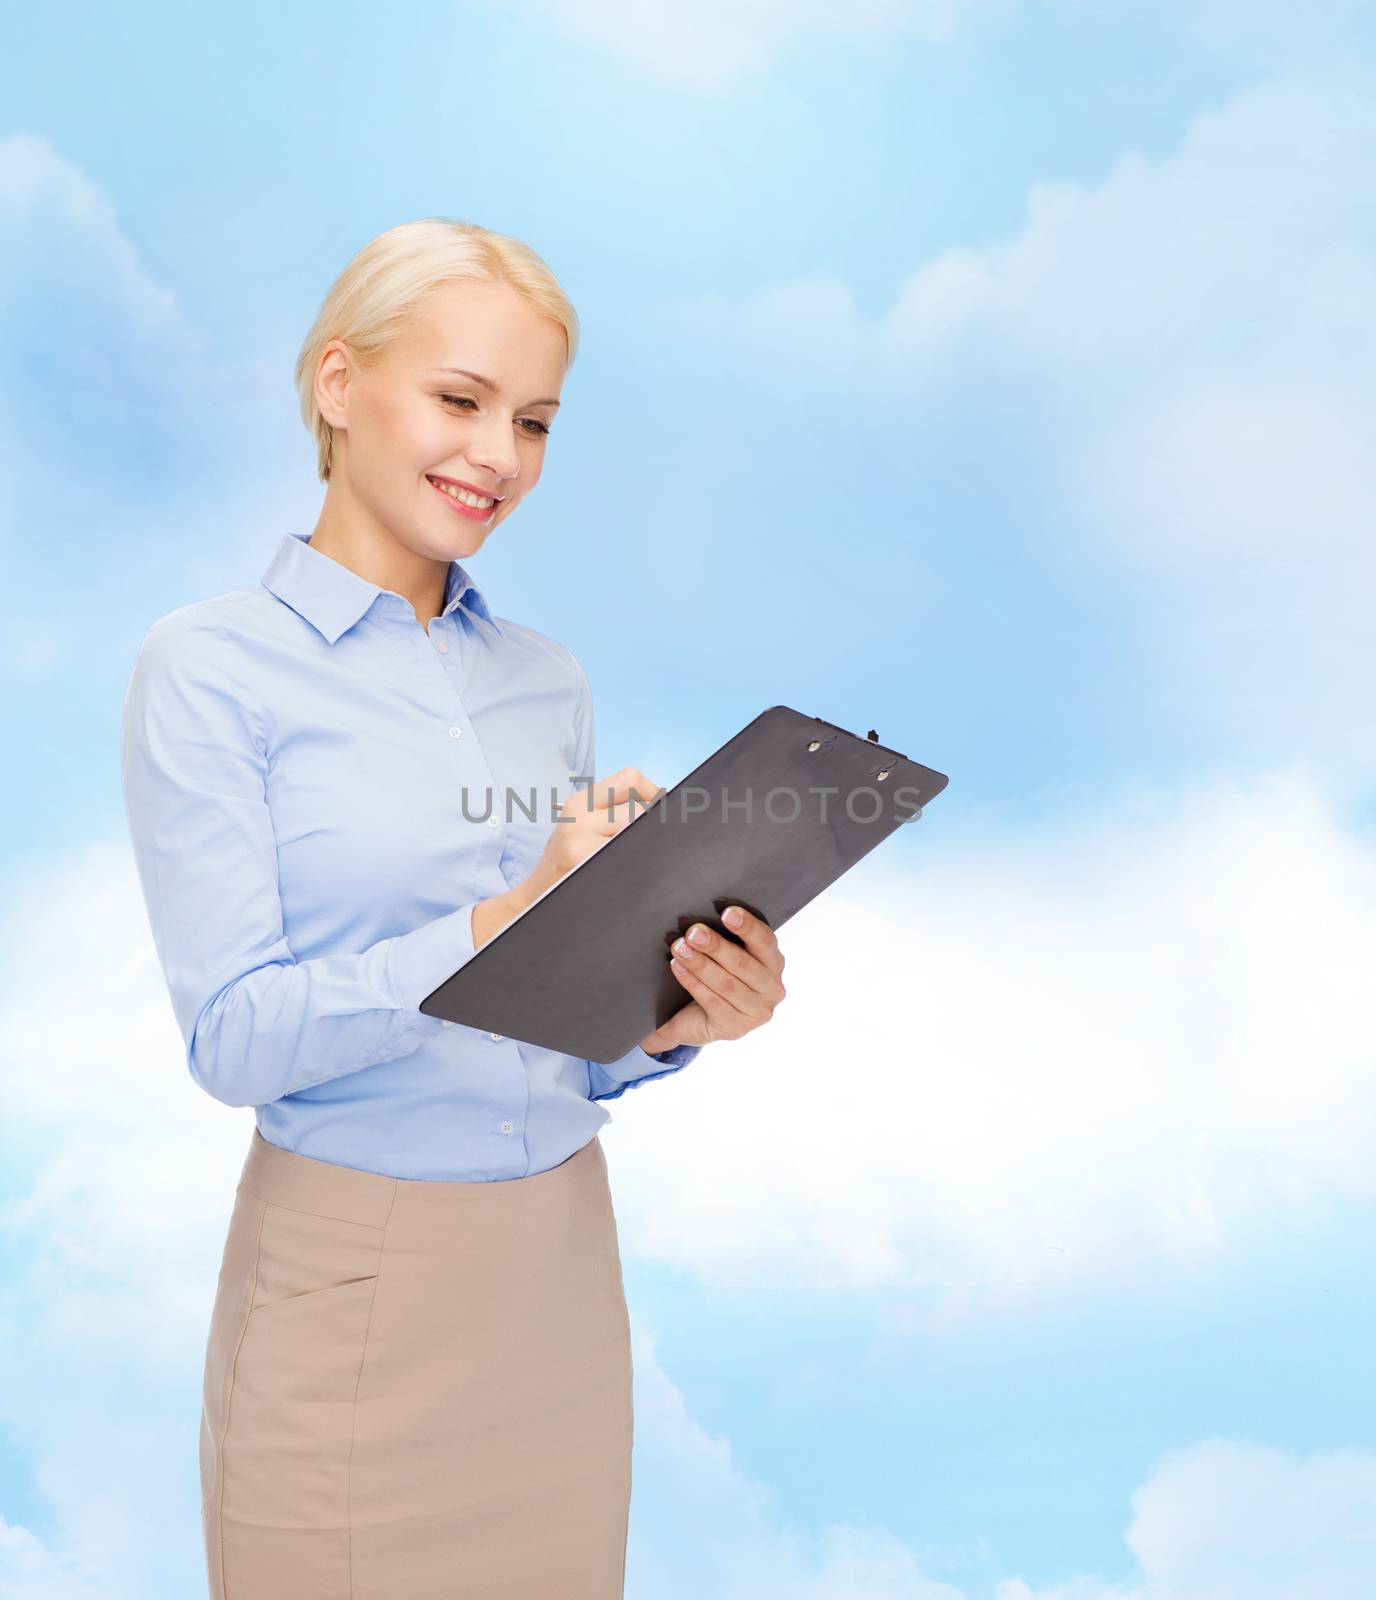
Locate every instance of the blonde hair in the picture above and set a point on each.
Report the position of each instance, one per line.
(369, 303)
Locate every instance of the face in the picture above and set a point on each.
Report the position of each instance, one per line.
(406, 421)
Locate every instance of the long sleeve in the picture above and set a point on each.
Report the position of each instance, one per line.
(606, 1081)
(257, 1023)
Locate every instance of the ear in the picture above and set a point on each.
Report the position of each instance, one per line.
(332, 379)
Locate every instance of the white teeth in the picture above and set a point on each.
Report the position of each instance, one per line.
(479, 501)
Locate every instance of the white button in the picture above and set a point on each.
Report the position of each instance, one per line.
(456, 733)
(444, 647)
(507, 1127)
(494, 821)
(496, 1036)
(448, 1023)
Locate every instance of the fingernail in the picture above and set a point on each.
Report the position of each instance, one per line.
(697, 933)
(731, 917)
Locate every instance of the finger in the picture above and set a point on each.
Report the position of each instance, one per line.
(615, 800)
(744, 964)
(725, 1021)
(629, 785)
(747, 1003)
(734, 962)
(628, 778)
(592, 819)
(760, 939)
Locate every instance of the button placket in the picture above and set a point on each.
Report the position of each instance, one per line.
(455, 730)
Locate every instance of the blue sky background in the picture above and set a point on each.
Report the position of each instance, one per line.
(998, 374)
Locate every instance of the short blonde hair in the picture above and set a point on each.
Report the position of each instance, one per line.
(369, 303)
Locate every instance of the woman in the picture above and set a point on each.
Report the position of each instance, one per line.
(418, 1373)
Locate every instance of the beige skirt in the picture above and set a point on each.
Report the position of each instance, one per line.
(417, 1390)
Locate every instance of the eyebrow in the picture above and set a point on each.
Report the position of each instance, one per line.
(487, 383)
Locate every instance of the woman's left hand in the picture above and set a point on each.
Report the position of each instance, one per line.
(734, 990)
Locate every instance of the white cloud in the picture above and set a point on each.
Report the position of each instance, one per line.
(1037, 1063)
(700, 1525)
(1225, 1519)
(29, 1571)
(1173, 374)
(1255, 33)
(721, 46)
(119, 1181)
(88, 329)
(715, 45)
(1219, 1519)
(124, 427)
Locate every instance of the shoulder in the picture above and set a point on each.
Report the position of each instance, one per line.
(200, 655)
(551, 651)
(205, 630)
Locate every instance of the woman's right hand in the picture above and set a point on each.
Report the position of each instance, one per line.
(594, 816)
(590, 818)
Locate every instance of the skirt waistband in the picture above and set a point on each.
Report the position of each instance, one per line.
(304, 1184)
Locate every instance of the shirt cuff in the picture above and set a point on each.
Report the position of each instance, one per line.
(419, 962)
(606, 1081)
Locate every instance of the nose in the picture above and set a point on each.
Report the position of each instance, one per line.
(492, 450)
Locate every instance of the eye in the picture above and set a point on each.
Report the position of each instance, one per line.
(536, 428)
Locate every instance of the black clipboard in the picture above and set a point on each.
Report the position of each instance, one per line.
(768, 821)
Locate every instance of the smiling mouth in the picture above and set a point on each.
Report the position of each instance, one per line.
(464, 497)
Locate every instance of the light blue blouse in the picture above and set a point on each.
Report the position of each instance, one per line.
(297, 759)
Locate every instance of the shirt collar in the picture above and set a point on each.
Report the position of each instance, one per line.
(332, 597)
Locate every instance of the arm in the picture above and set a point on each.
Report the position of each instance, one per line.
(606, 1082)
(258, 1024)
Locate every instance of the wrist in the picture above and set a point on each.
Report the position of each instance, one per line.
(492, 915)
